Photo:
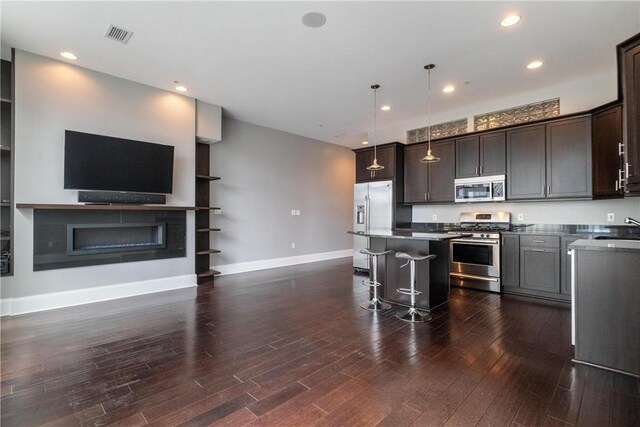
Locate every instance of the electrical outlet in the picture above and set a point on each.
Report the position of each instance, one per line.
(520, 217)
(434, 217)
(293, 212)
(611, 217)
(298, 212)
(217, 211)
(293, 245)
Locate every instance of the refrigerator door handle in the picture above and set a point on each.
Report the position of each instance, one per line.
(366, 213)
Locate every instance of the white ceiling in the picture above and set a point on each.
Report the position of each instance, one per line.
(263, 66)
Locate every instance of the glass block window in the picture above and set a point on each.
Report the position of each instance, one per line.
(522, 114)
(441, 130)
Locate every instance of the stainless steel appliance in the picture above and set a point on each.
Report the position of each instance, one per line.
(373, 209)
(480, 189)
(475, 260)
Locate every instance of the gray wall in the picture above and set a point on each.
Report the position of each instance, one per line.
(565, 212)
(265, 174)
(52, 96)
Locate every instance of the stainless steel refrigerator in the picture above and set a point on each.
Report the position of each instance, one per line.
(373, 209)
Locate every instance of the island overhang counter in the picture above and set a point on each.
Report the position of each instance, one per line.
(432, 276)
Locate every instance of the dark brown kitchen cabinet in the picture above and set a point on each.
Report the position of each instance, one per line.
(510, 263)
(607, 150)
(416, 174)
(526, 163)
(480, 155)
(551, 160)
(389, 155)
(540, 263)
(629, 70)
(569, 158)
(432, 182)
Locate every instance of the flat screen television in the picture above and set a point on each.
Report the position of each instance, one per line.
(97, 162)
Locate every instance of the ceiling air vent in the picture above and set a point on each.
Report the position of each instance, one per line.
(118, 34)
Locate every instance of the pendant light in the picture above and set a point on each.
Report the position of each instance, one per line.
(429, 158)
(375, 166)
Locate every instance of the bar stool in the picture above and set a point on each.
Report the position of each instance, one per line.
(412, 314)
(375, 304)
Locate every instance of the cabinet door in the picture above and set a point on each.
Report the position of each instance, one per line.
(510, 264)
(415, 174)
(526, 163)
(606, 134)
(565, 284)
(569, 158)
(493, 154)
(467, 157)
(442, 173)
(540, 269)
(386, 158)
(632, 112)
(363, 159)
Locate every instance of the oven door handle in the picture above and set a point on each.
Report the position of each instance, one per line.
(476, 242)
(471, 276)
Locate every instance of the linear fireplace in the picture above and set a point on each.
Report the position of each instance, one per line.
(78, 238)
(102, 238)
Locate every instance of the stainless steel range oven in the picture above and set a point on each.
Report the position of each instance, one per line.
(475, 260)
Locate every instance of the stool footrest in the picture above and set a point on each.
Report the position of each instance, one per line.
(407, 291)
(371, 283)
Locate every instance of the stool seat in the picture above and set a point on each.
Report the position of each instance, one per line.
(416, 257)
(367, 251)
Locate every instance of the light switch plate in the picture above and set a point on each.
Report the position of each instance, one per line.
(611, 217)
(434, 217)
(520, 217)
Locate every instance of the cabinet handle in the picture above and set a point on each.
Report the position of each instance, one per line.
(544, 190)
(538, 241)
(537, 250)
(425, 196)
(620, 149)
(548, 190)
(621, 180)
(480, 169)
(617, 187)
(476, 170)
(626, 170)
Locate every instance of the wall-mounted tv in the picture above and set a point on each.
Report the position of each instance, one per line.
(97, 162)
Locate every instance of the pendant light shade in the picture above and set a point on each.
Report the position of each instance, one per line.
(429, 158)
(375, 166)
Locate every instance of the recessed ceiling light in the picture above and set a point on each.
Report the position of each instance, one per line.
(68, 55)
(314, 19)
(365, 142)
(385, 108)
(449, 88)
(510, 20)
(181, 88)
(534, 64)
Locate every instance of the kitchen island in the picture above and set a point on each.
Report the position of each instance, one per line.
(432, 277)
(606, 304)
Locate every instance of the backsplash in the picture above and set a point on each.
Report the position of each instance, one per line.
(544, 212)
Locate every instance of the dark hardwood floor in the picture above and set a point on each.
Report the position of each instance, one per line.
(291, 346)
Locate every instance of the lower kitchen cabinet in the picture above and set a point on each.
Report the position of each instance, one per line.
(532, 265)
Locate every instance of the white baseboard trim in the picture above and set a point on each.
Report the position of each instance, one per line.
(263, 264)
(30, 304)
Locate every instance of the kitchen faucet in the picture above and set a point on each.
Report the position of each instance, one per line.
(629, 220)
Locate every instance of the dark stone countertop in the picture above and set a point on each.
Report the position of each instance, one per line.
(607, 245)
(407, 234)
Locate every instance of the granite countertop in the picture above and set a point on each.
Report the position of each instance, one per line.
(607, 245)
(406, 234)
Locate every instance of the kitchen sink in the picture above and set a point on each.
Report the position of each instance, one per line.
(615, 238)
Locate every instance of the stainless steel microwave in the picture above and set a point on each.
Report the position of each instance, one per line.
(480, 189)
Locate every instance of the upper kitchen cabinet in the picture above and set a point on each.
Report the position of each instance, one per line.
(607, 149)
(569, 158)
(208, 123)
(430, 182)
(481, 155)
(551, 160)
(390, 156)
(629, 69)
(526, 163)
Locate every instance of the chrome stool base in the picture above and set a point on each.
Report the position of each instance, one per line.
(413, 316)
(375, 305)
